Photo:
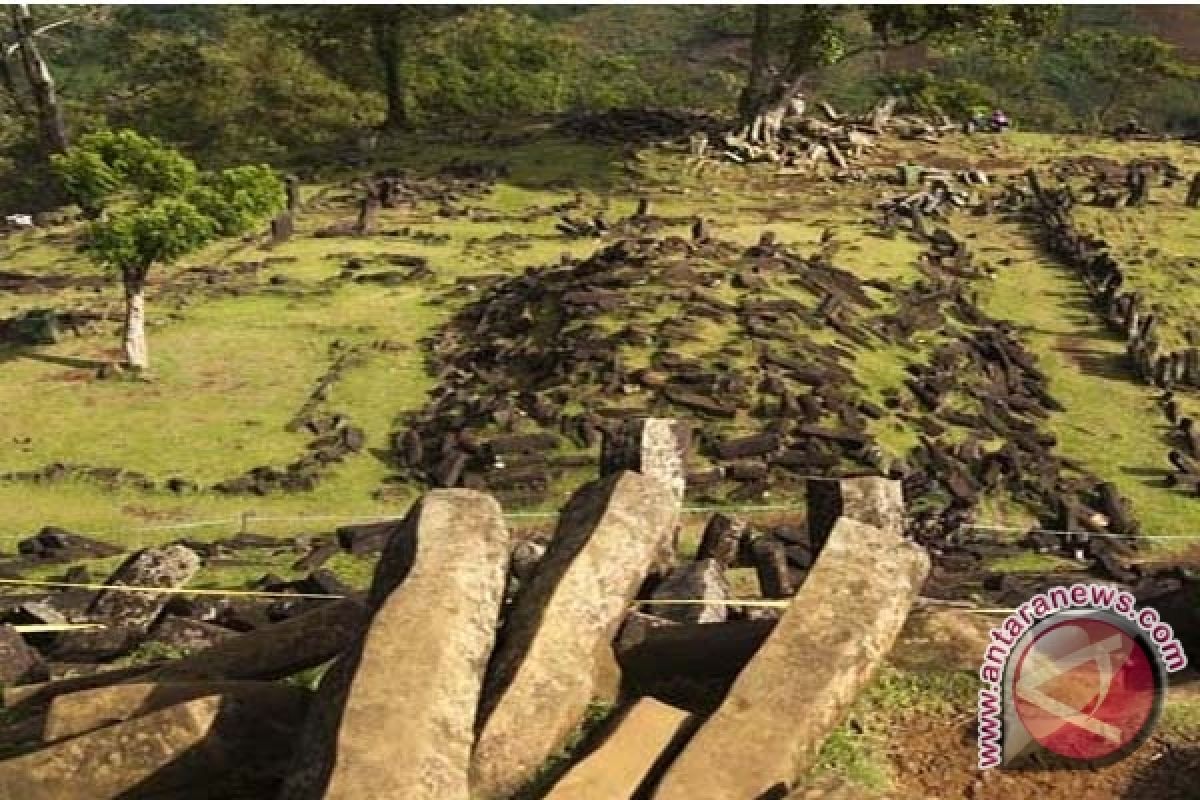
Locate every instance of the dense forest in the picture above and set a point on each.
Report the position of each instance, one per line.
(298, 85)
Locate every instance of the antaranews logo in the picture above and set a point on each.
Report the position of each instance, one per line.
(1078, 671)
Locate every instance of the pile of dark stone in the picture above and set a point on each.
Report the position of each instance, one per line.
(1185, 454)
(334, 438)
(411, 269)
(344, 358)
(801, 141)
(108, 477)
(24, 283)
(181, 622)
(529, 376)
(335, 441)
(988, 384)
(451, 191)
(1123, 310)
(534, 373)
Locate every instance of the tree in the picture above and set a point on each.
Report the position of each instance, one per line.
(808, 39)
(371, 42)
(157, 207)
(1108, 68)
(227, 87)
(52, 125)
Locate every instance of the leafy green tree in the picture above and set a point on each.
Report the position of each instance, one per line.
(107, 162)
(1115, 70)
(791, 45)
(491, 62)
(155, 207)
(368, 47)
(228, 86)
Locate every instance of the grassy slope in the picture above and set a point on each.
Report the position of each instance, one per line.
(231, 370)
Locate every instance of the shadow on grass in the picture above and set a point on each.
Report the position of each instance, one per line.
(65, 361)
(14, 352)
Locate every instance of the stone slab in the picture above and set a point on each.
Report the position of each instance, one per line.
(19, 663)
(395, 716)
(275, 651)
(874, 501)
(800, 684)
(652, 446)
(82, 712)
(211, 741)
(645, 737)
(608, 539)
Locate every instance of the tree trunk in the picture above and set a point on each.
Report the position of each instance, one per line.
(758, 80)
(389, 50)
(52, 126)
(766, 118)
(136, 352)
(10, 86)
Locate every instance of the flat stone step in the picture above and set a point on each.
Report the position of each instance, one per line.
(645, 737)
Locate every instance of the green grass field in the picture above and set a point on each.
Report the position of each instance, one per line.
(231, 368)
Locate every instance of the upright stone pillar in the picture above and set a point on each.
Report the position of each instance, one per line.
(395, 715)
(653, 446)
(545, 671)
(807, 674)
(873, 501)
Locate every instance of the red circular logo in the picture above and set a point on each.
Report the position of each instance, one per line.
(1085, 688)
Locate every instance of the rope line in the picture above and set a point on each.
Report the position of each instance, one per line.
(167, 589)
(58, 627)
(251, 517)
(1085, 534)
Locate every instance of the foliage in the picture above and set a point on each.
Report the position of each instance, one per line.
(160, 232)
(249, 93)
(237, 197)
(175, 210)
(956, 97)
(105, 162)
(300, 85)
(1117, 67)
(491, 62)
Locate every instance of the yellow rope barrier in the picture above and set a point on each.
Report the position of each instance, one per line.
(166, 589)
(55, 628)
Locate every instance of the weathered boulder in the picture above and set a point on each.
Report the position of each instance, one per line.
(19, 663)
(646, 736)
(217, 742)
(82, 712)
(651, 446)
(608, 537)
(799, 685)
(128, 615)
(395, 716)
(275, 651)
(873, 501)
(696, 580)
